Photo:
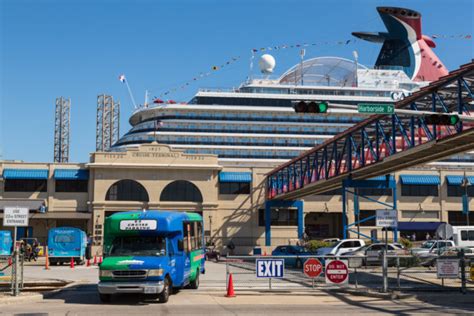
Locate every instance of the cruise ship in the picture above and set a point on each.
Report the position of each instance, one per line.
(256, 124)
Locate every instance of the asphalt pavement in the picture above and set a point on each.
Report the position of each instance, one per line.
(80, 298)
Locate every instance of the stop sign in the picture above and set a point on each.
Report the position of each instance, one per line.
(336, 271)
(312, 268)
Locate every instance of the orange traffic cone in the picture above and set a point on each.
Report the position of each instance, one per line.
(95, 259)
(88, 263)
(46, 264)
(72, 263)
(230, 287)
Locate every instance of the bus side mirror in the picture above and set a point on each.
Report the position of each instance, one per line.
(180, 245)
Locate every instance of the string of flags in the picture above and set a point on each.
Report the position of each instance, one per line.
(280, 47)
(302, 45)
(201, 75)
(459, 36)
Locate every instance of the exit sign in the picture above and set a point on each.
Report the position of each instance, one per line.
(375, 108)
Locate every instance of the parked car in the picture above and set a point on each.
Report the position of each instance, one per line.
(340, 248)
(430, 247)
(373, 253)
(294, 253)
(332, 240)
(430, 261)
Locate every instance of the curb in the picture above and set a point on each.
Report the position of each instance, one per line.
(368, 293)
(30, 297)
(34, 295)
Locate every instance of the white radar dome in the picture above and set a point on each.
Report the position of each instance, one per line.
(267, 64)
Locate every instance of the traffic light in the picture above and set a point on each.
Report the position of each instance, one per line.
(310, 106)
(440, 119)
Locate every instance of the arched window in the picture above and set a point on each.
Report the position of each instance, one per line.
(181, 191)
(127, 190)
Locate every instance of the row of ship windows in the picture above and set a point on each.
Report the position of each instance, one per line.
(250, 101)
(199, 140)
(168, 126)
(260, 118)
(318, 92)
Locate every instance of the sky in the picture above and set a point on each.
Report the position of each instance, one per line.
(78, 49)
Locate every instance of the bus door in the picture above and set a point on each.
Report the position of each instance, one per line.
(187, 237)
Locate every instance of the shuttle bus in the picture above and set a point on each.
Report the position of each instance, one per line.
(66, 243)
(151, 252)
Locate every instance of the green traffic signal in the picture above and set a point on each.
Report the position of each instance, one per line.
(310, 106)
(453, 119)
(439, 119)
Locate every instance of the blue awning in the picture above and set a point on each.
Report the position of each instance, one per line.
(420, 179)
(71, 174)
(418, 226)
(235, 177)
(383, 178)
(457, 180)
(37, 174)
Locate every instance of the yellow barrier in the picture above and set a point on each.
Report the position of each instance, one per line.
(472, 273)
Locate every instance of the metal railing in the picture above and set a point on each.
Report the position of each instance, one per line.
(400, 272)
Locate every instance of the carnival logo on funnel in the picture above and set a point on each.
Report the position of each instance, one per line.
(124, 262)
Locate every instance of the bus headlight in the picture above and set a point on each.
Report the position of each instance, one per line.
(155, 272)
(105, 273)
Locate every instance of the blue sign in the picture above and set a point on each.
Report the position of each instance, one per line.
(270, 268)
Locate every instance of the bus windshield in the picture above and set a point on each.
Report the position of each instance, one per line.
(64, 238)
(138, 246)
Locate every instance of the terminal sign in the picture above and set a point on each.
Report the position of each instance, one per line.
(371, 108)
(16, 216)
(270, 268)
(387, 218)
(139, 224)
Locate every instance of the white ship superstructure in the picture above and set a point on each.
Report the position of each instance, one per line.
(256, 122)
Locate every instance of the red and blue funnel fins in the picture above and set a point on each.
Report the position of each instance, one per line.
(405, 46)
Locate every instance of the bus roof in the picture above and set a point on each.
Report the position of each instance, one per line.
(166, 221)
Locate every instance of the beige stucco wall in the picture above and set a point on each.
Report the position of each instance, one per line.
(226, 217)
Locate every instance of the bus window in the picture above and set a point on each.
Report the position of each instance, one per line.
(463, 234)
(192, 233)
(199, 235)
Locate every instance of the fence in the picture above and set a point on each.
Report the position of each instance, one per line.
(11, 273)
(402, 272)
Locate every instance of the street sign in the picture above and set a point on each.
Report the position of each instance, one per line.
(15, 216)
(312, 268)
(447, 268)
(270, 268)
(337, 272)
(387, 218)
(372, 108)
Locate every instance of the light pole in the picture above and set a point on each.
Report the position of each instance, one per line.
(465, 200)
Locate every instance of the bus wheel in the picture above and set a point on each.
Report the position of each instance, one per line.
(195, 284)
(165, 294)
(104, 298)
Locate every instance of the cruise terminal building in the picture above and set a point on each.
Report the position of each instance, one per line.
(230, 199)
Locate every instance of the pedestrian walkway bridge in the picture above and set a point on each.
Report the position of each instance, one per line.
(382, 144)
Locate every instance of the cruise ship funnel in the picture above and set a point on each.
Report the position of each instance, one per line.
(405, 46)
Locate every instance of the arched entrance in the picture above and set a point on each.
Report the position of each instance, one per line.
(181, 191)
(127, 190)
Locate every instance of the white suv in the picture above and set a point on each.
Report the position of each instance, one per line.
(340, 248)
